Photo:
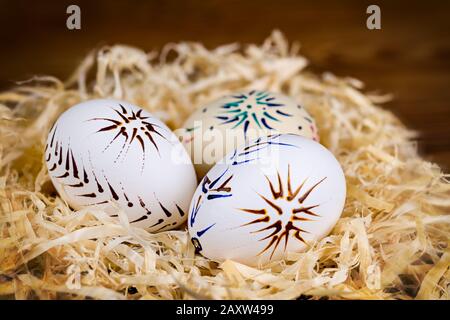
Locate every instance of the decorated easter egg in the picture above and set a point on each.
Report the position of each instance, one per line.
(113, 155)
(275, 195)
(229, 122)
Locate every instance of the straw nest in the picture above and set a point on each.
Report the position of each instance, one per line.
(391, 242)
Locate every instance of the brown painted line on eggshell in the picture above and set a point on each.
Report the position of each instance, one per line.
(125, 134)
(307, 193)
(149, 136)
(74, 166)
(124, 110)
(180, 211)
(157, 223)
(306, 210)
(273, 205)
(98, 203)
(266, 218)
(117, 123)
(53, 138)
(60, 155)
(142, 204)
(113, 192)
(129, 203)
(165, 226)
(77, 185)
(99, 186)
(108, 128)
(292, 195)
(67, 160)
(114, 139)
(279, 193)
(64, 175)
(85, 176)
(167, 212)
(88, 195)
(224, 186)
(144, 217)
(124, 118)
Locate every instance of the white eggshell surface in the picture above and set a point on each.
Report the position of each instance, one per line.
(111, 154)
(229, 122)
(277, 194)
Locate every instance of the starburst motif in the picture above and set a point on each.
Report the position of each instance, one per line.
(258, 108)
(271, 215)
(133, 127)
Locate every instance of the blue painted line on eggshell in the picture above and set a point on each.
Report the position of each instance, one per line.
(215, 196)
(202, 232)
(283, 113)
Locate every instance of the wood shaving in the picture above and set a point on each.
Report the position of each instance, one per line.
(392, 241)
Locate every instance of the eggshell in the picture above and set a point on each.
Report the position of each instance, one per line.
(111, 154)
(275, 195)
(229, 122)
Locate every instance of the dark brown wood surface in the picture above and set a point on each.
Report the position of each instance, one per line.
(409, 56)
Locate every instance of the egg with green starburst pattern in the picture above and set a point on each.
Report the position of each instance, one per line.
(230, 121)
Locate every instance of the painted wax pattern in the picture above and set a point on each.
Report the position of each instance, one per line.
(111, 154)
(289, 194)
(235, 119)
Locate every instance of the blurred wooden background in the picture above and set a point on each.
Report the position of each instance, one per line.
(409, 57)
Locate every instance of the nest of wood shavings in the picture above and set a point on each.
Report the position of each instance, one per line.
(392, 241)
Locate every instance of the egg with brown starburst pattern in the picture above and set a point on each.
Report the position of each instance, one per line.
(275, 195)
(113, 155)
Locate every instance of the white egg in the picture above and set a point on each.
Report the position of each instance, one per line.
(229, 122)
(109, 154)
(277, 194)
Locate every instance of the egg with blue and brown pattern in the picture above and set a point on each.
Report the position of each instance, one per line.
(277, 194)
(111, 155)
(229, 122)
